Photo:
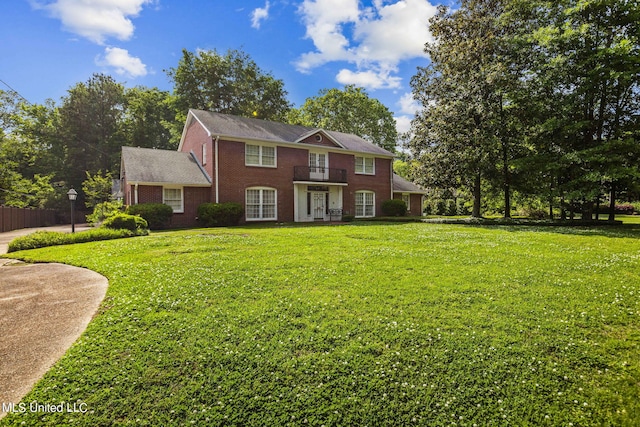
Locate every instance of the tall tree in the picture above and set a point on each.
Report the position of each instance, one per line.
(352, 111)
(231, 83)
(91, 117)
(590, 52)
(459, 135)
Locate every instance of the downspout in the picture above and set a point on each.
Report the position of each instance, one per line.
(217, 173)
(135, 194)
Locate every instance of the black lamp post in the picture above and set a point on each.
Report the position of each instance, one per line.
(73, 195)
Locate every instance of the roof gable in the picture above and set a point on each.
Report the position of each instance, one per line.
(319, 137)
(224, 125)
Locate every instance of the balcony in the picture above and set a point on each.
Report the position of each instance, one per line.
(318, 174)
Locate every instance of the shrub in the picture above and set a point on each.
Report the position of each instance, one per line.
(394, 207)
(41, 239)
(625, 209)
(158, 215)
(348, 218)
(452, 208)
(103, 211)
(441, 207)
(220, 214)
(125, 222)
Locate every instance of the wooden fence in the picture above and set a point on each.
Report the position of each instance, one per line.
(17, 218)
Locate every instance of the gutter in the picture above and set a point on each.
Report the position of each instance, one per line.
(216, 166)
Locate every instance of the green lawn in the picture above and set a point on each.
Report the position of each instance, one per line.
(399, 324)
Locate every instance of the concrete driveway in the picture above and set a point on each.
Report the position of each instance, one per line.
(44, 308)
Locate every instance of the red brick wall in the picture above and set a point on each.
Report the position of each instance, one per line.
(236, 177)
(193, 197)
(195, 138)
(380, 184)
(148, 194)
(415, 203)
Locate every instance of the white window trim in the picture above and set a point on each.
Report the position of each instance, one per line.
(408, 201)
(204, 154)
(363, 172)
(364, 207)
(260, 157)
(168, 187)
(275, 208)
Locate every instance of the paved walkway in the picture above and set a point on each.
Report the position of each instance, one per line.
(44, 308)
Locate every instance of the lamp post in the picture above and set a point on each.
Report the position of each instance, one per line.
(73, 195)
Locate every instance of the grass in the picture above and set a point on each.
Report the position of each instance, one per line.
(365, 324)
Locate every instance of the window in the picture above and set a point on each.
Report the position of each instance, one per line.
(365, 202)
(173, 198)
(261, 204)
(365, 165)
(406, 198)
(259, 155)
(204, 154)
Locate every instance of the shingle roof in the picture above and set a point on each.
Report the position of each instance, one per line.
(222, 125)
(401, 185)
(162, 166)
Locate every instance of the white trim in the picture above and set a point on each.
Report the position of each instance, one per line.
(408, 203)
(261, 156)
(190, 118)
(364, 165)
(320, 131)
(261, 204)
(174, 187)
(363, 192)
(217, 173)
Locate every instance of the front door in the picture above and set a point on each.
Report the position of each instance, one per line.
(318, 205)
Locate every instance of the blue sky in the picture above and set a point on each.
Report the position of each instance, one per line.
(47, 46)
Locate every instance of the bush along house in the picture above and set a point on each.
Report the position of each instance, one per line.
(278, 172)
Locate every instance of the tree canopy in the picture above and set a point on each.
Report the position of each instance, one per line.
(230, 83)
(536, 96)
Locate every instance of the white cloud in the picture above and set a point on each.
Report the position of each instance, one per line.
(123, 62)
(370, 79)
(375, 39)
(95, 20)
(408, 105)
(259, 15)
(403, 123)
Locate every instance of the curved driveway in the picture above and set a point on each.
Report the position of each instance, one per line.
(44, 308)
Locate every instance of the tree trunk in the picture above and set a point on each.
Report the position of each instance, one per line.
(476, 197)
(506, 184)
(612, 203)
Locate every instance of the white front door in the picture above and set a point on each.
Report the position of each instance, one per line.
(318, 208)
(318, 167)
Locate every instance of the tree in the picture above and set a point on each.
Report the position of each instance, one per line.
(459, 136)
(587, 60)
(97, 188)
(231, 83)
(351, 111)
(91, 117)
(148, 118)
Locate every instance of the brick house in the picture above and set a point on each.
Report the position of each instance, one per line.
(278, 172)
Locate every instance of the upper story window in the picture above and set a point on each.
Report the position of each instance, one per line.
(365, 165)
(259, 155)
